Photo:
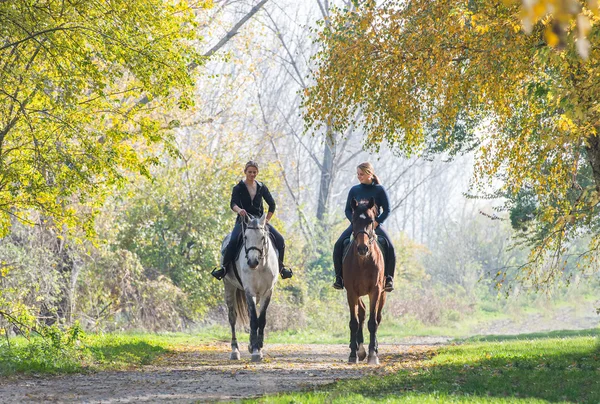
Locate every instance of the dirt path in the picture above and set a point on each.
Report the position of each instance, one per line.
(204, 373)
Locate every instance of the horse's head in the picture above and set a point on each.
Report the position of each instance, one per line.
(363, 221)
(255, 241)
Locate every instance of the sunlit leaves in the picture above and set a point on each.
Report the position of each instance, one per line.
(562, 16)
(453, 75)
(71, 80)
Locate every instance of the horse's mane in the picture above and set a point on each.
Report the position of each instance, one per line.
(254, 222)
(362, 205)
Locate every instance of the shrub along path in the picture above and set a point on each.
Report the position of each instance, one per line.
(203, 372)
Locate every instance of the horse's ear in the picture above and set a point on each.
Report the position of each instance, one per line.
(371, 203)
(353, 204)
(263, 219)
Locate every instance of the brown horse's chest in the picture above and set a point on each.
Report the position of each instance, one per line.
(363, 274)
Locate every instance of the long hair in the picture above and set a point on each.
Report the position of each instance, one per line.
(368, 169)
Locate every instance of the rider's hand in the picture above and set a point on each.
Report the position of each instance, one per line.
(242, 212)
(375, 224)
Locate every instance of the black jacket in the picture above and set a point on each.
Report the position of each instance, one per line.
(241, 197)
(364, 192)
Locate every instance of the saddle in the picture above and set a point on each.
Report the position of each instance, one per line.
(383, 246)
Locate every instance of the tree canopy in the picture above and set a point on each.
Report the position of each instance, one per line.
(80, 82)
(455, 76)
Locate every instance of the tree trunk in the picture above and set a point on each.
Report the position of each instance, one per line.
(327, 176)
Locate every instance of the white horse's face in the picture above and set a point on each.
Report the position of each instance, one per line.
(255, 241)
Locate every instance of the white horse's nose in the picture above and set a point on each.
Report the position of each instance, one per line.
(253, 263)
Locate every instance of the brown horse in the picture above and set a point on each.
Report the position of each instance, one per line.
(363, 273)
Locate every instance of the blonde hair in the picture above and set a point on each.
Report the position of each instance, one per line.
(368, 169)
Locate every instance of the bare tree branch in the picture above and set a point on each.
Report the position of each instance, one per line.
(310, 153)
(36, 34)
(306, 231)
(292, 60)
(231, 33)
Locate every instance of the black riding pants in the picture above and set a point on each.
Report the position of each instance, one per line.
(231, 248)
(390, 256)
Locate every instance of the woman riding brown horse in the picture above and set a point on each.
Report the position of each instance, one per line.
(369, 186)
(363, 272)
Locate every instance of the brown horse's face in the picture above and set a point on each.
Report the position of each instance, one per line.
(363, 220)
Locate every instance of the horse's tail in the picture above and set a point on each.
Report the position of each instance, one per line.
(241, 307)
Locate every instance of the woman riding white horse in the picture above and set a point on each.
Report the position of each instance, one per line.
(247, 199)
(249, 283)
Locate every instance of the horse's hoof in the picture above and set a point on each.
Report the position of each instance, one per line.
(257, 357)
(235, 356)
(362, 354)
(353, 360)
(373, 360)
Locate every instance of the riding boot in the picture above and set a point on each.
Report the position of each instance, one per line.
(219, 272)
(285, 273)
(389, 274)
(338, 252)
(339, 281)
(389, 284)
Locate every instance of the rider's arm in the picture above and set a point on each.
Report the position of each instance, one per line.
(384, 202)
(348, 210)
(269, 200)
(235, 199)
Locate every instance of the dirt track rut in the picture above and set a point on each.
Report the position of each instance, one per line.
(204, 374)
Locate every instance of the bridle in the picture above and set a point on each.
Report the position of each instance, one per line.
(265, 246)
(370, 235)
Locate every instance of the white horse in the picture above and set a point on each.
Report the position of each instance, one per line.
(248, 293)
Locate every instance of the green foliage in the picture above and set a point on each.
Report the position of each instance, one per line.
(70, 88)
(30, 279)
(70, 351)
(115, 294)
(51, 349)
(175, 224)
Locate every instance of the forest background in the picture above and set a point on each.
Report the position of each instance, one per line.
(120, 144)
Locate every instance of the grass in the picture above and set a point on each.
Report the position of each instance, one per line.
(93, 352)
(552, 367)
(559, 366)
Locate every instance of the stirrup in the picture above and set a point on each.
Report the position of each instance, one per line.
(286, 273)
(339, 283)
(389, 284)
(219, 273)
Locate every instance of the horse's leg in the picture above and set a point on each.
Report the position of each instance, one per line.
(253, 344)
(262, 320)
(374, 299)
(353, 305)
(380, 308)
(362, 354)
(230, 300)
